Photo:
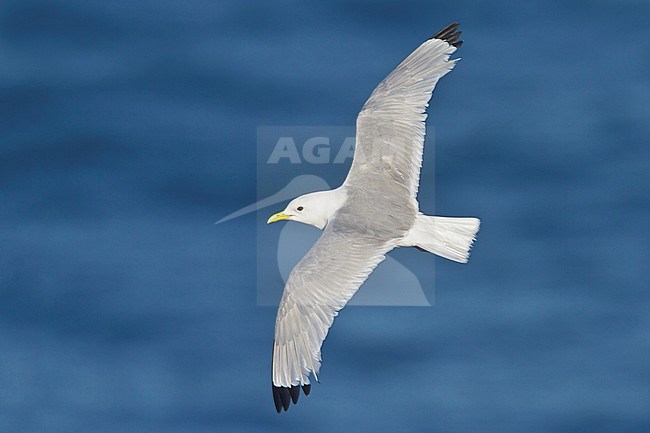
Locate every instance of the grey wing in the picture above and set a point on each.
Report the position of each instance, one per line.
(391, 125)
(318, 287)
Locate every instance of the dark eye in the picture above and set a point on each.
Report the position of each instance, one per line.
(300, 208)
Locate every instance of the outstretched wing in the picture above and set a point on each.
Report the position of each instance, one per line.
(391, 128)
(318, 287)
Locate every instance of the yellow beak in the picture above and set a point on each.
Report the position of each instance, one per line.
(278, 217)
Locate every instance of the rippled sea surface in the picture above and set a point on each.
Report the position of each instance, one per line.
(128, 127)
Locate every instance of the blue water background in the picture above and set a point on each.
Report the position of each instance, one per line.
(128, 127)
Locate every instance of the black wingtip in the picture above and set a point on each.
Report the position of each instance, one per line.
(283, 396)
(277, 399)
(295, 393)
(450, 34)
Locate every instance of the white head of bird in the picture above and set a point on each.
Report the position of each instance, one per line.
(314, 209)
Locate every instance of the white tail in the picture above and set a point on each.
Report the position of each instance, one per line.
(450, 238)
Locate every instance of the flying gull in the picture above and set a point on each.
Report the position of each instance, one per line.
(372, 212)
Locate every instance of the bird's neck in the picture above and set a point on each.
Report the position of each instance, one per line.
(331, 201)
